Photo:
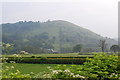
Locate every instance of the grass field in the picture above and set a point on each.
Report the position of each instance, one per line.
(52, 55)
(38, 69)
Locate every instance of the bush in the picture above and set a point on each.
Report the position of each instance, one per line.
(32, 56)
(102, 66)
(24, 52)
(45, 60)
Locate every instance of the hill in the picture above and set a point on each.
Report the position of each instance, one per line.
(59, 35)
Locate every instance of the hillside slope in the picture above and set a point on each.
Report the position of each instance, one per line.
(58, 35)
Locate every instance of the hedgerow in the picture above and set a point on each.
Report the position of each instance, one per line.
(48, 60)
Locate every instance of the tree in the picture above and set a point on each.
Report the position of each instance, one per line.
(77, 48)
(102, 44)
(115, 48)
(7, 48)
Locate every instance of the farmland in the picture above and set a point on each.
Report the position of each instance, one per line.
(53, 55)
(70, 58)
(38, 69)
(95, 63)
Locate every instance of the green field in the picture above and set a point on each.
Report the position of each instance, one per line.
(103, 64)
(53, 55)
(65, 58)
(37, 69)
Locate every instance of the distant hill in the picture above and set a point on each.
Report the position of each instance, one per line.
(58, 35)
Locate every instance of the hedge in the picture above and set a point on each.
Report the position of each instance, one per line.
(51, 57)
(48, 60)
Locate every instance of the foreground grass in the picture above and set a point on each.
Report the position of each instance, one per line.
(38, 69)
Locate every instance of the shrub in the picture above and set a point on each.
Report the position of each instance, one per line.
(101, 66)
(65, 74)
(47, 60)
(24, 52)
(43, 58)
(32, 56)
(3, 59)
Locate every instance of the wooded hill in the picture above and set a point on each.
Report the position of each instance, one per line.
(62, 36)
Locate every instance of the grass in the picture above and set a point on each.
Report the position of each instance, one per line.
(37, 69)
(28, 68)
(52, 55)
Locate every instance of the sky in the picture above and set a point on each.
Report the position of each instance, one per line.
(100, 16)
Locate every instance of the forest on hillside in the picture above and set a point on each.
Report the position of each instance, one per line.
(58, 36)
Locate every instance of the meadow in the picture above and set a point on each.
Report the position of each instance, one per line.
(53, 55)
(38, 69)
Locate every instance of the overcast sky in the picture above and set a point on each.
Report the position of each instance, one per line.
(100, 16)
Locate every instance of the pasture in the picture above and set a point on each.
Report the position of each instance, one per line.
(38, 69)
(53, 55)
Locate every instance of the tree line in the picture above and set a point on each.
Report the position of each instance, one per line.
(102, 44)
(10, 48)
